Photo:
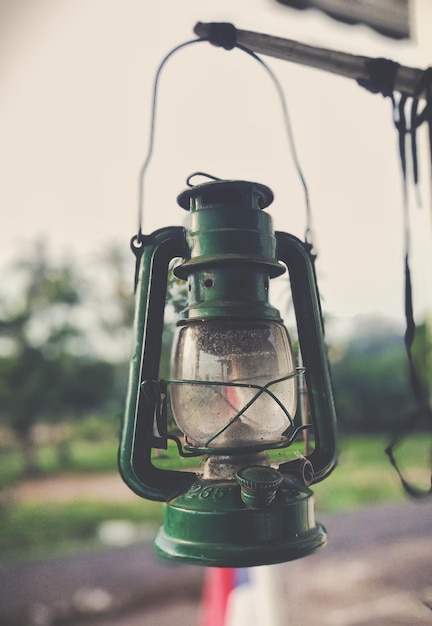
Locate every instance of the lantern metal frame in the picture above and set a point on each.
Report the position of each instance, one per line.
(143, 397)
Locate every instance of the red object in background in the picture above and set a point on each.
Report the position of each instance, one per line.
(218, 584)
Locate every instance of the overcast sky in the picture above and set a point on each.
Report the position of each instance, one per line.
(75, 95)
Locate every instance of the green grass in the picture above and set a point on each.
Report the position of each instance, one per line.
(85, 457)
(10, 468)
(35, 530)
(364, 477)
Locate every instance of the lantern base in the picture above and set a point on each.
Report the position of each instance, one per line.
(210, 525)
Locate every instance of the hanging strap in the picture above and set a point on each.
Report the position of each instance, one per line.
(382, 77)
(382, 74)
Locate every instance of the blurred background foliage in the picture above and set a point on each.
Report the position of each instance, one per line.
(66, 335)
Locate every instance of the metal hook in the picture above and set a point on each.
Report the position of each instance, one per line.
(209, 176)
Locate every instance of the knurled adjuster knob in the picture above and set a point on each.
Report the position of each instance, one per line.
(258, 485)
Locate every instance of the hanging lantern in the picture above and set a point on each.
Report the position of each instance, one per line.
(233, 386)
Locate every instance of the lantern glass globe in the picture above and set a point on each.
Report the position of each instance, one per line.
(228, 362)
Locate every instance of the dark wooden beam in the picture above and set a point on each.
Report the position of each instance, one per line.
(407, 79)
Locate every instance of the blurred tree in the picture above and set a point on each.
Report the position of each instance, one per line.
(112, 301)
(422, 353)
(371, 381)
(43, 372)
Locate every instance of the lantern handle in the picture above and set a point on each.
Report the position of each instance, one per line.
(299, 261)
(138, 439)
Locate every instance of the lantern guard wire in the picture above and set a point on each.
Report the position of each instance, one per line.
(158, 391)
(260, 390)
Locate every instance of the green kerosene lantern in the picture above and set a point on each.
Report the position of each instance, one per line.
(233, 386)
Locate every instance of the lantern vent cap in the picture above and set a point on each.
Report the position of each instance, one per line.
(234, 193)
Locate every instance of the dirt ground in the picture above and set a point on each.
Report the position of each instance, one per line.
(107, 487)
